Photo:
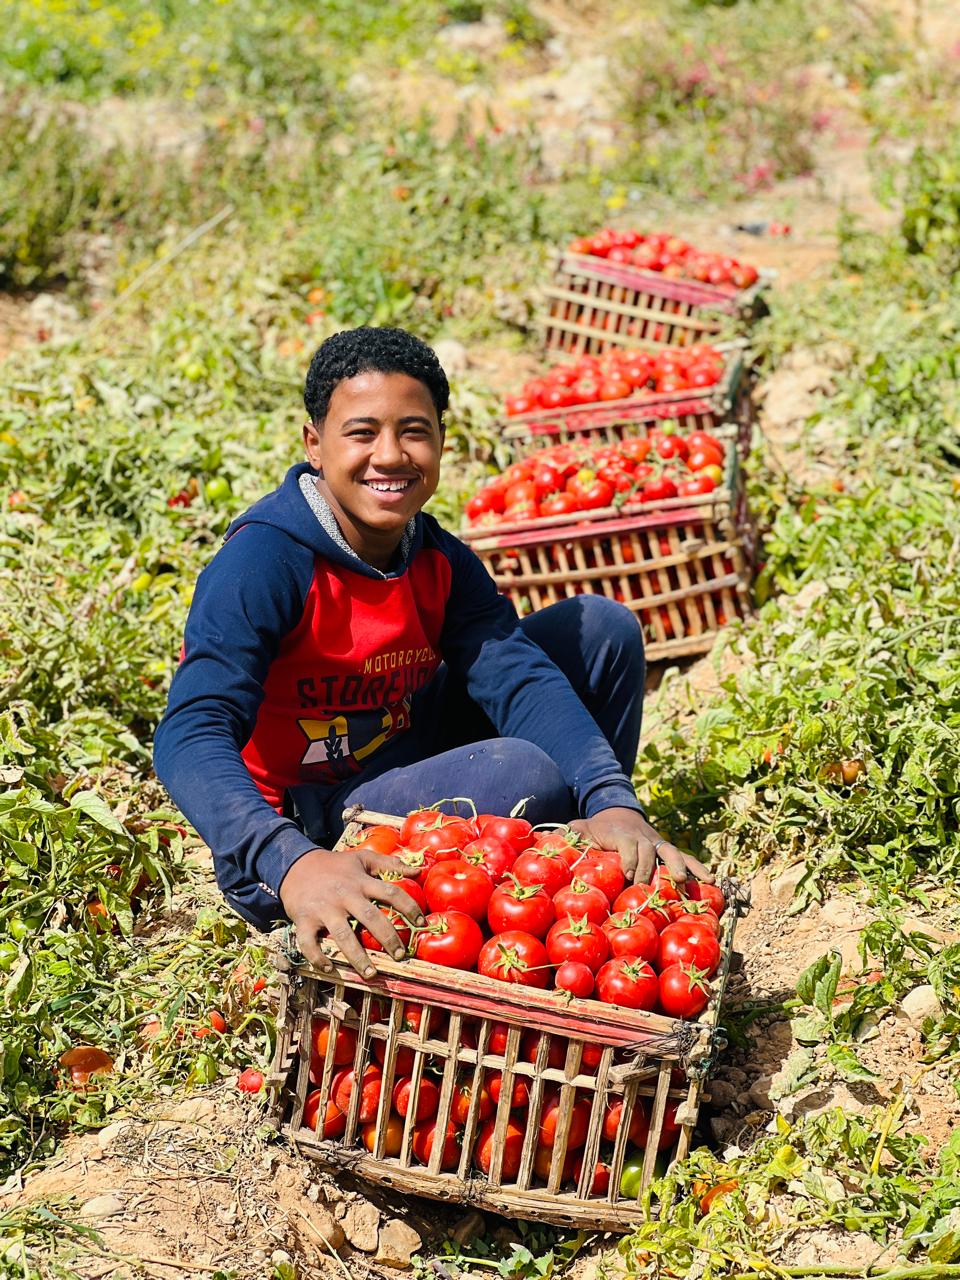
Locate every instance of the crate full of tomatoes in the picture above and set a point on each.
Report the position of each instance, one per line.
(542, 1050)
(628, 390)
(629, 288)
(654, 522)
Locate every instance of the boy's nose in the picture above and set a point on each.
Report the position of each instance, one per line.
(388, 450)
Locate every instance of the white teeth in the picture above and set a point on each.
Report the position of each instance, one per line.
(388, 486)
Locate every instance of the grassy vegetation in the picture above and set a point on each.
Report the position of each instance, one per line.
(125, 451)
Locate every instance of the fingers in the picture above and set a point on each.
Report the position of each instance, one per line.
(309, 941)
(373, 919)
(373, 863)
(646, 860)
(349, 944)
(674, 861)
(697, 869)
(392, 895)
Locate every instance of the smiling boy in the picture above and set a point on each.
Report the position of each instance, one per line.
(343, 648)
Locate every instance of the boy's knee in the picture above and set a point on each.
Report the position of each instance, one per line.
(608, 622)
(528, 771)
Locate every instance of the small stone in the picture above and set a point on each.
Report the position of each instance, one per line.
(468, 1229)
(110, 1133)
(783, 888)
(398, 1243)
(760, 1092)
(361, 1223)
(280, 1258)
(736, 1076)
(325, 1225)
(723, 1094)
(919, 1004)
(101, 1207)
(504, 1237)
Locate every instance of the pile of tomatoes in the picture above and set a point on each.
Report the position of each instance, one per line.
(565, 478)
(538, 909)
(668, 254)
(619, 374)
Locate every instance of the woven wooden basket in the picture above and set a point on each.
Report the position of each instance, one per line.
(592, 305)
(643, 1060)
(682, 567)
(725, 409)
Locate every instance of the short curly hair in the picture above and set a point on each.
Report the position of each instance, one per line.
(371, 350)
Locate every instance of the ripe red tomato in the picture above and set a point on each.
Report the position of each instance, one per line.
(644, 900)
(530, 1048)
(520, 906)
(371, 1085)
(590, 491)
(705, 455)
(424, 1136)
(515, 956)
(412, 888)
(579, 898)
(615, 388)
(697, 487)
(516, 831)
(600, 1183)
(437, 844)
(689, 941)
(543, 866)
(543, 1159)
(511, 1146)
(427, 1098)
(574, 977)
(671, 447)
(658, 490)
(582, 940)
(711, 894)
(519, 1093)
(403, 1063)
(669, 1130)
(550, 1117)
(665, 885)
(393, 1136)
(683, 992)
(518, 404)
(628, 981)
(634, 450)
(450, 938)
(380, 839)
(630, 934)
(639, 1122)
(604, 871)
(250, 1080)
(491, 854)
(334, 1121)
(344, 1045)
(558, 504)
(687, 910)
(367, 939)
(458, 886)
(460, 1106)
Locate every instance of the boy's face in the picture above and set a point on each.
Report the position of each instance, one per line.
(379, 454)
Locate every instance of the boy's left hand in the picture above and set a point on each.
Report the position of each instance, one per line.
(639, 845)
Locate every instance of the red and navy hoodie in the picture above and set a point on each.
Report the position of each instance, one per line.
(300, 661)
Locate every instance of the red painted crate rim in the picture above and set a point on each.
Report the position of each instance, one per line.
(695, 292)
(600, 525)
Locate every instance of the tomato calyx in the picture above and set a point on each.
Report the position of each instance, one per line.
(521, 892)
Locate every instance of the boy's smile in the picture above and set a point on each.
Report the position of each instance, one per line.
(378, 452)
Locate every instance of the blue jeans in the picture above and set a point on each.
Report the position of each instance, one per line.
(452, 749)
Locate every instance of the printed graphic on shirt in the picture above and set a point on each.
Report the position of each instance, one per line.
(338, 745)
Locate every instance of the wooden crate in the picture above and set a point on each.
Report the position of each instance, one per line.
(644, 1059)
(725, 409)
(592, 305)
(681, 567)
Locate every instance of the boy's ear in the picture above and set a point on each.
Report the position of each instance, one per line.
(311, 440)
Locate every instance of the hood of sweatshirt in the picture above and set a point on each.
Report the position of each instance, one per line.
(313, 524)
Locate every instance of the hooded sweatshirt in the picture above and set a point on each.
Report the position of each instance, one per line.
(300, 662)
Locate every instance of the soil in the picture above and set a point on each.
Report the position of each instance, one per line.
(197, 1186)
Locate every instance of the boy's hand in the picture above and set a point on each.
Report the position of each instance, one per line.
(628, 833)
(324, 890)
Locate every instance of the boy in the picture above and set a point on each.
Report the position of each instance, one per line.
(342, 648)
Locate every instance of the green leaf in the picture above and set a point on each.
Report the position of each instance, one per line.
(807, 982)
(826, 986)
(844, 1060)
(808, 1029)
(95, 807)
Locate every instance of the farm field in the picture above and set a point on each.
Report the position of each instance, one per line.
(191, 197)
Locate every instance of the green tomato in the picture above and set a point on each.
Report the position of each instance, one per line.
(8, 954)
(631, 1177)
(217, 489)
(194, 370)
(19, 927)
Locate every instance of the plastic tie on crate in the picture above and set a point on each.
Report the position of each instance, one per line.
(290, 947)
(737, 895)
(673, 1044)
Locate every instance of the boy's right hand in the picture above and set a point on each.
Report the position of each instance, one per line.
(324, 890)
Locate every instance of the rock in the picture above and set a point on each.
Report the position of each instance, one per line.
(842, 912)
(736, 1076)
(723, 1094)
(111, 1132)
(760, 1092)
(483, 38)
(280, 1258)
(101, 1207)
(452, 355)
(398, 1243)
(920, 1003)
(361, 1225)
(468, 1229)
(324, 1224)
(783, 888)
(505, 1237)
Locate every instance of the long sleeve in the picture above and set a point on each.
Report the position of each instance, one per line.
(522, 691)
(247, 599)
